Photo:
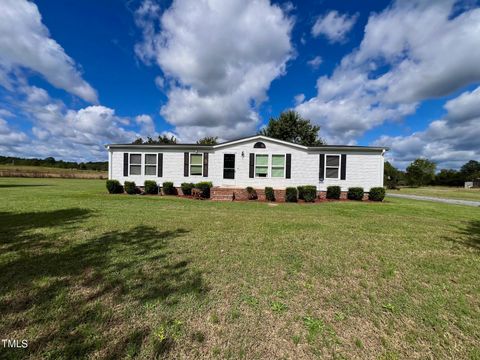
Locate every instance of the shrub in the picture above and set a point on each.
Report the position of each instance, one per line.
(130, 187)
(204, 187)
(355, 193)
(114, 187)
(187, 188)
(309, 193)
(300, 192)
(333, 192)
(150, 187)
(291, 194)
(168, 188)
(269, 194)
(376, 194)
(252, 193)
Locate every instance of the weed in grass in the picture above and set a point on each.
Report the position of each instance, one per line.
(389, 307)
(315, 327)
(359, 343)
(214, 318)
(235, 313)
(278, 307)
(250, 300)
(296, 339)
(216, 351)
(198, 336)
(340, 316)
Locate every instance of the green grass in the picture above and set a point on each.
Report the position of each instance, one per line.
(441, 192)
(84, 274)
(44, 171)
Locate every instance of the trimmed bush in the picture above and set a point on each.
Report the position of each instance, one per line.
(168, 188)
(333, 192)
(269, 194)
(204, 187)
(130, 187)
(376, 194)
(355, 193)
(300, 192)
(150, 187)
(291, 194)
(114, 187)
(309, 193)
(187, 188)
(252, 193)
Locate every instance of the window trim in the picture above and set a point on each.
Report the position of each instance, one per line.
(135, 164)
(152, 165)
(190, 163)
(234, 169)
(278, 167)
(333, 167)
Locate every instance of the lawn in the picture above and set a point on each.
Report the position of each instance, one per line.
(441, 192)
(84, 274)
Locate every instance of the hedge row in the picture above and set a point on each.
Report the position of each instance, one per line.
(151, 187)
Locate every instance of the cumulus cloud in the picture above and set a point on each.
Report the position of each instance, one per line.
(219, 57)
(334, 26)
(450, 141)
(26, 43)
(411, 51)
(315, 62)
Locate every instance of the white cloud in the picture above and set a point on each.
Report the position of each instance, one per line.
(315, 62)
(214, 54)
(299, 98)
(147, 126)
(450, 141)
(26, 42)
(334, 26)
(411, 51)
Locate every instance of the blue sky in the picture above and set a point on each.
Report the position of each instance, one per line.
(75, 75)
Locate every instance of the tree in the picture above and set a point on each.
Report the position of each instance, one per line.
(161, 140)
(470, 170)
(391, 175)
(449, 177)
(208, 140)
(290, 126)
(420, 172)
(138, 141)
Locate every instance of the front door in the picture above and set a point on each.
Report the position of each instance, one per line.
(229, 166)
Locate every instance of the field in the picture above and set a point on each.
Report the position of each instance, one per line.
(84, 274)
(49, 172)
(441, 192)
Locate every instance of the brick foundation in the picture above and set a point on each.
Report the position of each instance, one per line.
(230, 194)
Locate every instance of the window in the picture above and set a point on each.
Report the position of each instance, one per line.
(259, 145)
(261, 165)
(229, 166)
(150, 164)
(332, 166)
(196, 164)
(278, 165)
(135, 164)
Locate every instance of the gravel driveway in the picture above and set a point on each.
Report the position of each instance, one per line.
(442, 200)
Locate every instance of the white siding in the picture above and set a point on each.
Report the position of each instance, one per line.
(364, 168)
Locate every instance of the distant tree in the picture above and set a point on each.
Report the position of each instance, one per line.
(391, 176)
(420, 172)
(208, 140)
(161, 140)
(470, 170)
(49, 160)
(290, 126)
(138, 141)
(449, 177)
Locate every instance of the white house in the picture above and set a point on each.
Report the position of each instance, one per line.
(256, 161)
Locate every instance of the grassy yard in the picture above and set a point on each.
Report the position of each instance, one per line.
(84, 274)
(49, 172)
(441, 192)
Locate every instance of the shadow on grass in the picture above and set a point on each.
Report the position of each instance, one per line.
(73, 295)
(470, 235)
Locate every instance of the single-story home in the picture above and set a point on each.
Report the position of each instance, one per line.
(255, 161)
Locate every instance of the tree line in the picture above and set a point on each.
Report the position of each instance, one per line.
(422, 172)
(51, 162)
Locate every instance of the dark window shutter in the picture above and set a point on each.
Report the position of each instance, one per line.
(125, 164)
(343, 167)
(321, 172)
(288, 166)
(205, 164)
(252, 165)
(185, 164)
(160, 165)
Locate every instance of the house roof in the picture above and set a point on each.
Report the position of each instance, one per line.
(249, 138)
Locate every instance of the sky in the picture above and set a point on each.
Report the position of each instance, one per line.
(76, 75)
